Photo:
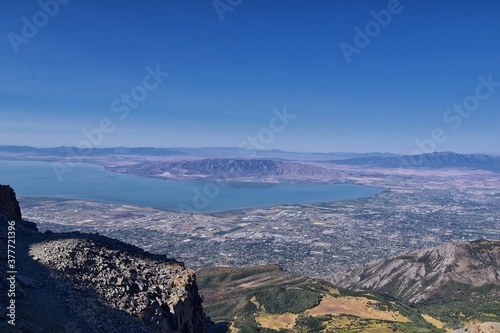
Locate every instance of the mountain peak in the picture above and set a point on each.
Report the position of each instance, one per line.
(423, 275)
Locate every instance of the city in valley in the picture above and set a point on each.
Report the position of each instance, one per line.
(417, 209)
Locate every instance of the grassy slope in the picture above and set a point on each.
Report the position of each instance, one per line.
(267, 299)
(468, 306)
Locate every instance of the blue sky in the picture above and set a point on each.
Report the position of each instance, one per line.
(226, 76)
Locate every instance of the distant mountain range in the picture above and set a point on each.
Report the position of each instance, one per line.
(202, 152)
(64, 151)
(436, 160)
(231, 169)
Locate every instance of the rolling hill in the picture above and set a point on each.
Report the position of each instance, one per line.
(458, 283)
(423, 275)
(434, 290)
(268, 299)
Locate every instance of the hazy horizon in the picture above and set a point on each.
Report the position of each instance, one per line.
(258, 151)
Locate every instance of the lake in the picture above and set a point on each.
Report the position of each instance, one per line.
(92, 182)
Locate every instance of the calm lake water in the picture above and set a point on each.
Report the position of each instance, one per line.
(92, 182)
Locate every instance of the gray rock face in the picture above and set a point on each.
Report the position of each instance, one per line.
(161, 292)
(421, 275)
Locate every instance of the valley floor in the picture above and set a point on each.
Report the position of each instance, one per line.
(419, 209)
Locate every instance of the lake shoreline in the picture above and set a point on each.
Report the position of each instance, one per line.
(95, 183)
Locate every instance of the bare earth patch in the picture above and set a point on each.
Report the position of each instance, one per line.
(356, 306)
(276, 322)
(433, 321)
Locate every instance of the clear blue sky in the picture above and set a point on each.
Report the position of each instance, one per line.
(225, 77)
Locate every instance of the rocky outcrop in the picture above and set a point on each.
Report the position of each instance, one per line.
(76, 282)
(159, 291)
(419, 276)
(488, 327)
(8, 202)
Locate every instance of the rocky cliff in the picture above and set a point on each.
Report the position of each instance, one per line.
(75, 282)
(8, 202)
(445, 271)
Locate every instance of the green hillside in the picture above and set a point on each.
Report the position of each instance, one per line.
(268, 299)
